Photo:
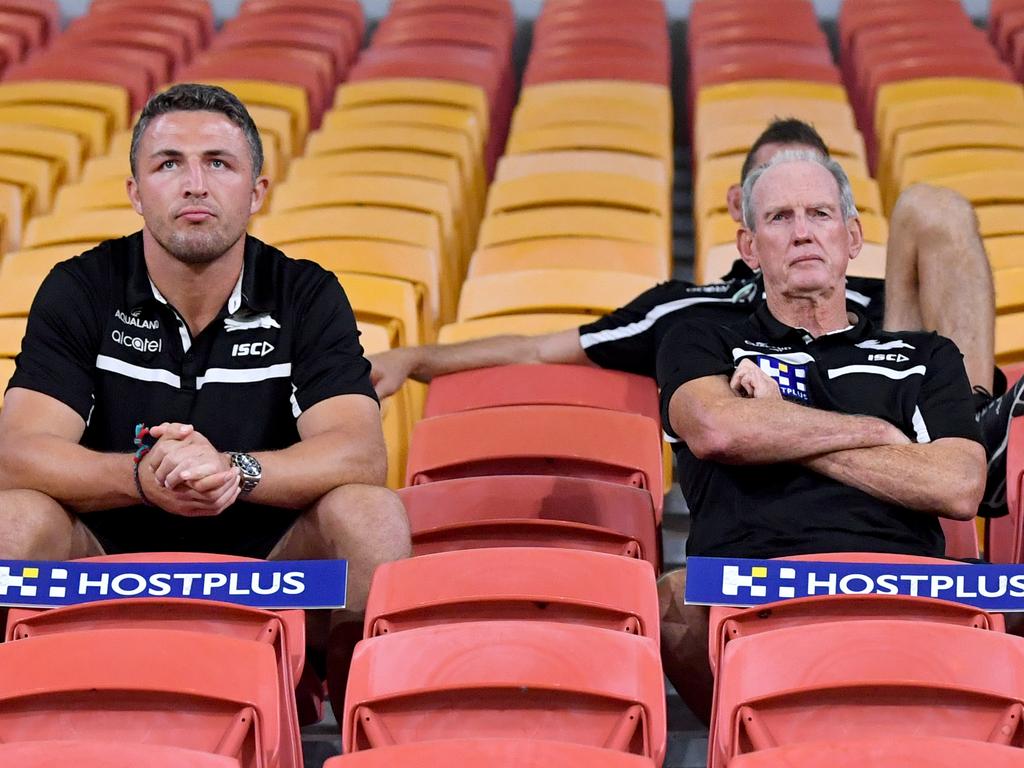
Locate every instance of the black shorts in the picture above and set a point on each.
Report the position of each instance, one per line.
(243, 530)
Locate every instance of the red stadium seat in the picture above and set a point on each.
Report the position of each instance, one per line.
(107, 754)
(905, 752)
(205, 692)
(296, 32)
(78, 66)
(521, 584)
(188, 11)
(188, 30)
(493, 752)
(887, 678)
(46, 11)
(350, 10)
(550, 440)
(542, 680)
(532, 511)
(1005, 535)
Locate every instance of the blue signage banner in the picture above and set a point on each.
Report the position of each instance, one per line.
(272, 585)
(742, 583)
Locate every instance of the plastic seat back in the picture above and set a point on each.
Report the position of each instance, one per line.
(532, 511)
(544, 680)
(519, 583)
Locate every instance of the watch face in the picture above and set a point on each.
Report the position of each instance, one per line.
(248, 464)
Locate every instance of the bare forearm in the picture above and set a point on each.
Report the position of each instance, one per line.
(946, 478)
(295, 477)
(762, 431)
(80, 479)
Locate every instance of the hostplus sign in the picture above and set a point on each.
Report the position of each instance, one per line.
(6, 580)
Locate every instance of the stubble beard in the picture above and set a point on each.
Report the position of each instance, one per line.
(195, 246)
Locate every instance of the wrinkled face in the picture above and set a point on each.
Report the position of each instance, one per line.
(802, 244)
(193, 184)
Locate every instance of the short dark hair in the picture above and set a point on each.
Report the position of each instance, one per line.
(784, 131)
(198, 97)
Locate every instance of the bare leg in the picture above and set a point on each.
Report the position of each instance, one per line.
(937, 275)
(35, 527)
(684, 645)
(365, 525)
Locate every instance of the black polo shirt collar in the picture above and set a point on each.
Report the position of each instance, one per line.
(772, 328)
(255, 283)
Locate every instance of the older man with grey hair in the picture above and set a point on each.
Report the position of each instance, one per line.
(804, 428)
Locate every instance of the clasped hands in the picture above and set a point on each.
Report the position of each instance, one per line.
(185, 475)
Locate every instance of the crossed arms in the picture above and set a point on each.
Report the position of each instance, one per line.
(745, 421)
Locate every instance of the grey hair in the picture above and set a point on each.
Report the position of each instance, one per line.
(846, 203)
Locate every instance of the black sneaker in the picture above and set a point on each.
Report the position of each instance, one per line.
(993, 415)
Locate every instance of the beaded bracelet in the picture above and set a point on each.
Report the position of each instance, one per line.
(144, 442)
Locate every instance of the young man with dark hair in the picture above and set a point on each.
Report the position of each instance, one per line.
(190, 388)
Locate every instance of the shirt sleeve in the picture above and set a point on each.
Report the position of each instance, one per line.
(691, 350)
(58, 353)
(945, 407)
(329, 360)
(624, 340)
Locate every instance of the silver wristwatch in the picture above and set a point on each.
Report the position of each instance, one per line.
(251, 471)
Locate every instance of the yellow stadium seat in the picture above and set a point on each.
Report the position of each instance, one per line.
(107, 167)
(62, 148)
(106, 97)
(411, 263)
(22, 272)
(400, 192)
(943, 138)
(650, 169)
(904, 91)
(278, 122)
(91, 195)
(574, 291)
(12, 331)
(947, 109)
(573, 221)
(606, 138)
(1001, 219)
(38, 177)
(934, 165)
(81, 226)
(367, 222)
(458, 119)
(430, 141)
(876, 228)
(415, 165)
(1006, 252)
(572, 253)
(92, 125)
(986, 187)
(395, 418)
(843, 142)
(13, 213)
(517, 325)
(291, 98)
(826, 116)
(1009, 338)
(576, 188)
(590, 111)
(654, 96)
(388, 301)
(416, 91)
(1009, 285)
(739, 90)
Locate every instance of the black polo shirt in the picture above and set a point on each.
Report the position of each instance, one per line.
(102, 340)
(914, 380)
(628, 338)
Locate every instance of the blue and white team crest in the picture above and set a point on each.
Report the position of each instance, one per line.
(792, 379)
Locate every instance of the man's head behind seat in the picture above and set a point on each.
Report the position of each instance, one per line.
(195, 97)
(787, 133)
